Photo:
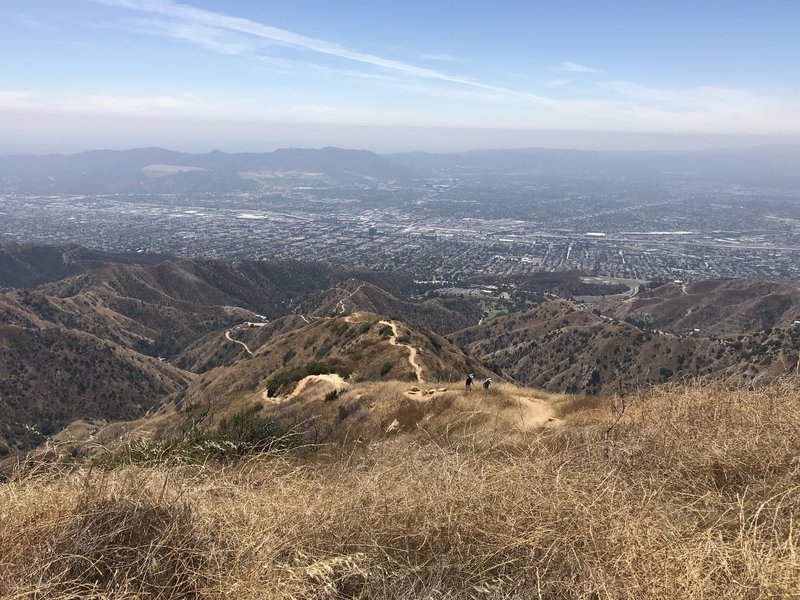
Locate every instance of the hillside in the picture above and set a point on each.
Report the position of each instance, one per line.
(358, 347)
(669, 494)
(560, 347)
(441, 315)
(713, 308)
(155, 310)
(251, 326)
(225, 347)
(197, 316)
(30, 265)
(161, 309)
(296, 375)
(51, 377)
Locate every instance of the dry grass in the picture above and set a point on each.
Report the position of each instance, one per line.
(688, 493)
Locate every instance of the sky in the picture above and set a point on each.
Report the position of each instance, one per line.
(442, 75)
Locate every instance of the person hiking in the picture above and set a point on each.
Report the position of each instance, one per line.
(487, 383)
(470, 379)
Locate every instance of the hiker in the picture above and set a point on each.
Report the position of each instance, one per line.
(487, 383)
(470, 378)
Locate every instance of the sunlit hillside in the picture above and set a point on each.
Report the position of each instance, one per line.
(675, 493)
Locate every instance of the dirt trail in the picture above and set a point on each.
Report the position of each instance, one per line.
(230, 339)
(349, 295)
(332, 378)
(412, 351)
(519, 410)
(533, 412)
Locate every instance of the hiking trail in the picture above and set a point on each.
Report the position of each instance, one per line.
(412, 350)
(333, 379)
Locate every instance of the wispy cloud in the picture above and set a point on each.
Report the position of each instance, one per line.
(572, 67)
(210, 38)
(557, 82)
(15, 99)
(440, 57)
(197, 16)
(107, 104)
(33, 23)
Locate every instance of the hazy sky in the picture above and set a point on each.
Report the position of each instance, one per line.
(433, 74)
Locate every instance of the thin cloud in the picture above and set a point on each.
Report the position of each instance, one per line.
(572, 67)
(440, 57)
(197, 16)
(15, 99)
(107, 104)
(34, 23)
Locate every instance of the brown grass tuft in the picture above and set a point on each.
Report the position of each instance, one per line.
(125, 542)
(680, 493)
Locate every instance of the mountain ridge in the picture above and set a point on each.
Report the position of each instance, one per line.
(232, 331)
(158, 170)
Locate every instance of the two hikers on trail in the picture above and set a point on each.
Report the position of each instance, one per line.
(471, 380)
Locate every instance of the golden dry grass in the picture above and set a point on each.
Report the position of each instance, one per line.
(690, 493)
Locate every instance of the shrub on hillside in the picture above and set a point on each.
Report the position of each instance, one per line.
(245, 432)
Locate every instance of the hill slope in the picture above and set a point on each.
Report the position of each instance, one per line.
(297, 373)
(163, 308)
(198, 316)
(30, 265)
(357, 347)
(441, 315)
(680, 493)
(559, 347)
(715, 308)
(51, 377)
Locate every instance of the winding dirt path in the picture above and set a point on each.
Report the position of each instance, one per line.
(332, 378)
(349, 295)
(412, 351)
(230, 339)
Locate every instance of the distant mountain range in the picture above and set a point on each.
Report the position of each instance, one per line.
(156, 170)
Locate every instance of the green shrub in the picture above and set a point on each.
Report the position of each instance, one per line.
(242, 433)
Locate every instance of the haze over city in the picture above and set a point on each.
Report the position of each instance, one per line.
(254, 76)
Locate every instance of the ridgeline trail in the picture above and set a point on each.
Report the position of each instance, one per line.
(412, 351)
(230, 339)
